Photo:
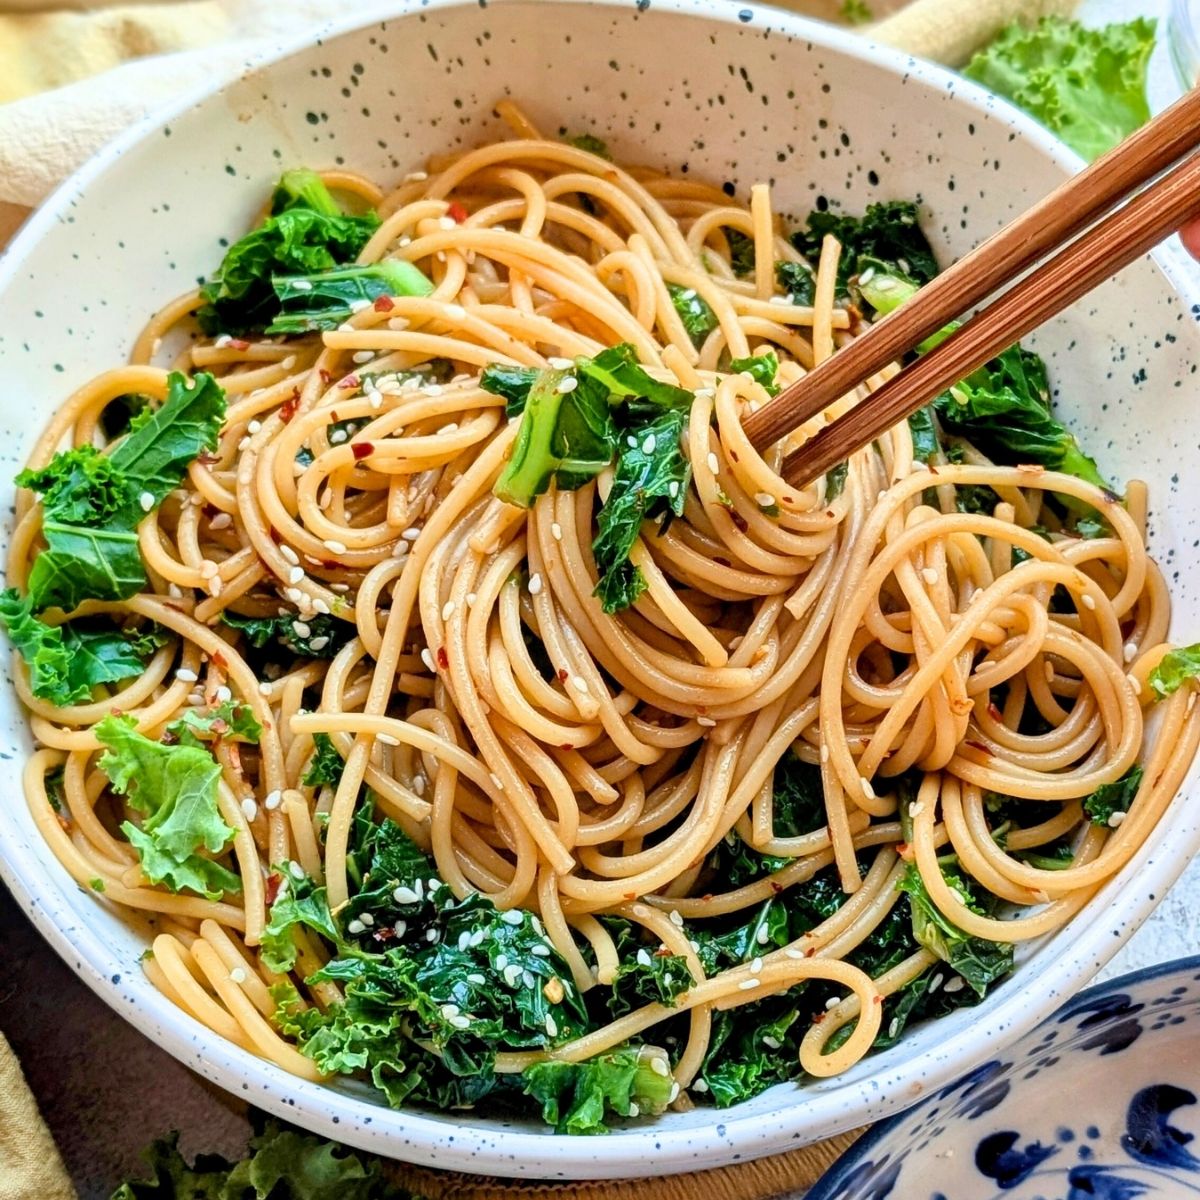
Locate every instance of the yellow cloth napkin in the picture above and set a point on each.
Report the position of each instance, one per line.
(30, 1168)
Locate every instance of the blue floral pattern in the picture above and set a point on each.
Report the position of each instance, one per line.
(1098, 1103)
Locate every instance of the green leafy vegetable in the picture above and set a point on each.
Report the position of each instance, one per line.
(281, 1164)
(979, 962)
(93, 504)
(228, 719)
(856, 12)
(926, 444)
(590, 143)
(66, 663)
(762, 368)
(325, 636)
(698, 318)
(741, 252)
(797, 280)
(306, 233)
(1174, 669)
(646, 975)
(513, 383)
(1112, 798)
(299, 902)
(576, 1097)
(617, 371)
(650, 483)
(886, 233)
(324, 299)
(326, 765)
(564, 435)
(1086, 85)
(175, 790)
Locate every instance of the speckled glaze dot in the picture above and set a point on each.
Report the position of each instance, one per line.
(729, 93)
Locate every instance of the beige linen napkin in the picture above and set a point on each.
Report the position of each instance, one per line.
(30, 1168)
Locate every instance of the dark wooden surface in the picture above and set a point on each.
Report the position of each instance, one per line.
(104, 1089)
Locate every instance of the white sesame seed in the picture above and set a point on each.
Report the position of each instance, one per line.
(464, 940)
(634, 1111)
(556, 531)
(411, 533)
(416, 176)
(824, 753)
(357, 306)
(512, 974)
(916, 809)
(447, 223)
(448, 610)
(764, 500)
(794, 954)
(650, 444)
(223, 694)
(367, 919)
(748, 984)
(659, 1066)
(497, 782)
(559, 363)
(676, 918)
(700, 1086)
(186, 676)
(568, 383)
(363, 356)
(955, 985)
(249, 808)
(501, 961)
(476, 978)
(238, 975)
(320, 606)
(295, 575)
(832, 1002)
(674, 1092)
(387, 739)
(400, 928)
(375, 398)
(763, 936)
(512, 916)
(337, 437)
(771, 1042)
(318, 643)
(222, 341)
(334, 545)
(579, 684)
(707, 722)
(756, 967)
(673, 488)
(208, 568)
(355, 926)
(868, 790)
(1130, 651)
(541, 951)
(894, 1027)
(432, 935)
(301, 629)
(146, 500)
(340, 588)
(295, 595)
(1088, 601)
(551, 1025)
(930, 576)
(301, 285)
(528, 979)
(264, 688)
(195, 699)
(273, 800)
(643, 957)
(221, 521)
(535, 584)
(1116, 818)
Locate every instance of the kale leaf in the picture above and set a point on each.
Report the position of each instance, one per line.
(324, 299)
(1113, 799)
(1174, 669)
(326, 765)
(698, 318)
(325, 636)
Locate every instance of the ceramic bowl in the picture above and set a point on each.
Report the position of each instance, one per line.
(1100, 1102)
(729, 92)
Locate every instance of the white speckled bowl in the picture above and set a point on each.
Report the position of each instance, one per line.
(731, 93)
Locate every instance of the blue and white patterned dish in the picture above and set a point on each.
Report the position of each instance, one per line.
(724, 91)
(1100, 1102)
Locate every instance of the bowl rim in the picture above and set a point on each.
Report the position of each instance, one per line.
(826, 1188)
(520, 1151)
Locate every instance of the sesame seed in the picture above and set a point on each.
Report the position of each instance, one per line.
(501, 961)
(367, 919)
(223, 694)
(301, 629)
(541, 951)
(551, 1025)
(221, 521)
(336, 546)
(497, 782)
(528, 980)
(375, 398)
(432, 935)
(355, 926)
(763, 936)
(337, 437)
(301, 285)
(675, 918)
(707, 722)
(238, 975)
(264, 688)
(764, 500)
(955, 985)
(476, 978)
(916, 809)
(208, 568)
(1130, 651)
(832, 1003)
(320, 606)
(512, 974)
(340, 588)
(700, 1086)
(273, 800)
(411, 533)
(249, 808)
(387, 739)
(794, 954)
(295, 575)
(448, 610)
(416, 176)
(1116, 818)
(659, 1067)
(400, 928)
(363, 356)
(650, 444)
(579, 684)
(357, 306)
(560, 364)
(756, 967)
(673, 488)
(535, 584)
(318, 643)
(643, 957)
(296, 870)
(427, 659)
(567, 384)
(447, 222)
(771, 1042)
(295, 595)
(512, 916)
(634, 1111)
(867, 789)
(461, 1022)
(556, 531)
(748, 984)
(464, 940)
(894, 1027)
(186, 676)
(195, 699)
(1088, 601)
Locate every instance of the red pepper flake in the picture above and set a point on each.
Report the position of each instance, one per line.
(733, 456)
(207, 460)
(707, 897)
(238, 344)
(326, 378)
(384, 304)
(786, 499)
(456, 212)
(443, 659)
(220, 661)
(330, 564)
(566, 746)
(287, 410)
(982, 749)
(994, 712)
(385, 934)
(347, 381)
(878, 998)
(631, 895)
(562, 676)
(776, 888)
(274, 883)
(818, 1018)
(362, 450)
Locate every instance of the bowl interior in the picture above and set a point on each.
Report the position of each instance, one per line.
(727, 94)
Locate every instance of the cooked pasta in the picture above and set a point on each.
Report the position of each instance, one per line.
(422, 778)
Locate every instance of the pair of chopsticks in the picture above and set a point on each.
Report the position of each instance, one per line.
(1159, 159)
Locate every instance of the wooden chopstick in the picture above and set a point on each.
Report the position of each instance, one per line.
(1118, 240)
(1069, 209)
